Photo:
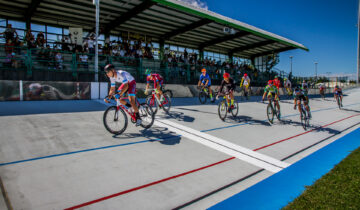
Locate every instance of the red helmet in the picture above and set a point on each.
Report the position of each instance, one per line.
(226, 75)
(270, 82)
(245, 75)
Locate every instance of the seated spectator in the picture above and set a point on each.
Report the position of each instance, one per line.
(40, 40)
(17, 45)
(28, 38)
(9, 33)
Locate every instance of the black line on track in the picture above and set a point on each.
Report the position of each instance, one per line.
(5, 195)
(258, 171)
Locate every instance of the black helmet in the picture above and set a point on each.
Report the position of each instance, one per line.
(109, 67)
(297, 88)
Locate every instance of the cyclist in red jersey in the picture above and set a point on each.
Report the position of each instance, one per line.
(276, 82)
(158, 82)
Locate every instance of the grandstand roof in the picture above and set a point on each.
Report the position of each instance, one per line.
(174, 21)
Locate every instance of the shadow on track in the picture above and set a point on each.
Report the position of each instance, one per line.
(196, 110)
(153, 134)
(246, 119)
(312, 127)
(179, 116)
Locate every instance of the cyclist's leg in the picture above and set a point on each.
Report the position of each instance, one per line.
(277, 102)
(231, 98)
(158, 89)
(118, 96)
(132, 96)
(210, 90)
(269, 96)
(299, 104)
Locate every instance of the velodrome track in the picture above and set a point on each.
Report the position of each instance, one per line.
(58, 155)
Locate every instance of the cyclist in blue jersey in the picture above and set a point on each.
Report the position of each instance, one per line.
(205, 80)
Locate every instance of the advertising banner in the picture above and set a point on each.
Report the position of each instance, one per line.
(76, 35)
(9, 90)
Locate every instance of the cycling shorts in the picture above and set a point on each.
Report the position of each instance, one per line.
(131, 88)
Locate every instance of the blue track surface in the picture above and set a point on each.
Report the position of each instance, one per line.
(281, 188)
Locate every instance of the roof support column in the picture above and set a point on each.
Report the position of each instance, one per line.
(231, 54)
(201, 54)
(162, 44)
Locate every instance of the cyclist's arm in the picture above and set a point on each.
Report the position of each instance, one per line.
(241, 83)
(124, 89)
(265, 91)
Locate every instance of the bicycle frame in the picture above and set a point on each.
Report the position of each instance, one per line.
(120, 105)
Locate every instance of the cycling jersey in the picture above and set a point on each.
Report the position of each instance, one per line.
(287, 84)
(277, 83)
(205, 78)
(228, 86)
(338, 91)
(271, 89)
(124, 77)
(157, 78)
(245, 81)
(121, 77)
(299, 94)
(304, 85)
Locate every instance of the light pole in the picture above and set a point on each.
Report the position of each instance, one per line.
(291, 57)
(97, 11)
(316, 71)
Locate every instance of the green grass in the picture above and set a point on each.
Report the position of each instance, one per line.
(338, 189)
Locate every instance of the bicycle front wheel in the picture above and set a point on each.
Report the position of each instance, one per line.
(222, 109)
(235, 109)
(202, 97)
(166, 104)
(270, 113)
(115, 120)
(151, 101)
(147, 115)
(303, 118)
(338, 102)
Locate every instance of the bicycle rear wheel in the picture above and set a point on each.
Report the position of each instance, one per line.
(202, 97)
(222, 109)
(147, 115)
(166, 104)
(235, 110)
(338, 102)
(115, 121)
(151, 101)
(270, 113)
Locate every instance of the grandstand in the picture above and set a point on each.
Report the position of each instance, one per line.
(171, 37)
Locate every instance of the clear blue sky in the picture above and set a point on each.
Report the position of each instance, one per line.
(326, 27)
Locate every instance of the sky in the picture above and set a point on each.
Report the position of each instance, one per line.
(326, 27)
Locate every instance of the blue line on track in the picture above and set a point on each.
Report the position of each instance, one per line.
(281, 188)
(86, 150)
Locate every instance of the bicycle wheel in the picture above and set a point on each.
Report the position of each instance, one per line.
(222, 109)
(202, 97)
(166, 104)
(147, 115)
(303, 118)
(115, 121)
(235, 110)
(270, 113)
(169, 93)
(151, 101)
(338, 102)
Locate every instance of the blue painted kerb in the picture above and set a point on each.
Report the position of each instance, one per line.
(283, 187)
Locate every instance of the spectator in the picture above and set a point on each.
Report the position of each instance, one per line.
(40, 40)
(9, 33)
(59, 61)
(9, 51)
(91, 44)
(28, 37)
(84, 61)
(17, 45)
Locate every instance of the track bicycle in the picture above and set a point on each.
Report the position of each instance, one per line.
(338, 100)
(204, 94)
(304, 116)
(157, 103)
(116, 121)
(272, 110)
(223, 107)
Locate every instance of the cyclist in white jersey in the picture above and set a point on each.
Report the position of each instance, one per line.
(128, 85)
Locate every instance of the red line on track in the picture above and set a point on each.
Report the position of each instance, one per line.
(146, 185)
(195, 170)
(304, 133)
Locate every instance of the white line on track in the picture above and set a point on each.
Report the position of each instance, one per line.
(244, 154)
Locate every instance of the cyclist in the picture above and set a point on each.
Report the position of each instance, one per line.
(298, 96)
(305, 88)
(205, 80)
(287, 85)
(227, 86)
(322, 89)
(337, 93)
(158, 83)
(245, 81)
(276, 83)
(271, 90)
(128, 85)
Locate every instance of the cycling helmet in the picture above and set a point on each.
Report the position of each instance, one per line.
(337, 86)
(270, 82)
(276, 77)
(203, 70)
(147, 71)
(226, 75)
(109, 67)
(297, 88)
(285, 78)
(245, 75)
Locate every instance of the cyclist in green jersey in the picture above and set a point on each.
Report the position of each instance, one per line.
(271, 90)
